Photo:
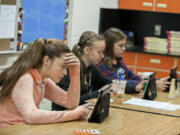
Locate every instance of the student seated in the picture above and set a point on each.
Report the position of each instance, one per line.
(89, 50)
(113, 65)
(32, 77)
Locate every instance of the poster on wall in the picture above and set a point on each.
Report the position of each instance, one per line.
(43, 18)
(7, 21)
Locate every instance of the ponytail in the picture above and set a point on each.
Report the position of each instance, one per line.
(26, 60)
(76, 50)
(31, 57)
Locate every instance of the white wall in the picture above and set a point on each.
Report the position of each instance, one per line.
(84, 15)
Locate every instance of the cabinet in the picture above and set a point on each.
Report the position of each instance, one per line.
(130, 59)
(170, 6)
(136, 4)
(159, 74)
(178, 64)
(155, 61)
(150, 63)
(142, 62)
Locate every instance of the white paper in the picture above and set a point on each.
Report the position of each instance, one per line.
(7, 21)
(152, 104)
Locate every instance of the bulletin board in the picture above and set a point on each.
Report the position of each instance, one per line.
(7, 35)
(43, 18)
(7, 21)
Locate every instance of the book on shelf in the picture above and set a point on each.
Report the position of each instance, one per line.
(155, 44)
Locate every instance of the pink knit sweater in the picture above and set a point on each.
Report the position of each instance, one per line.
(23, 106)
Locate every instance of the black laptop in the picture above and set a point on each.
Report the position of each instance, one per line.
(101, 108)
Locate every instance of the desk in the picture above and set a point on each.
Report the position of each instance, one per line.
(119, 122)
(161, 96)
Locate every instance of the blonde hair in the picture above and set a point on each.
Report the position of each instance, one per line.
(86, 40)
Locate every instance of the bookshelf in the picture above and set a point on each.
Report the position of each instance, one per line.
(7, 58)
(8, 41)
(9, 24)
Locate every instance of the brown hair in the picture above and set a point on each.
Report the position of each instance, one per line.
(112, 36)
(86, 40)
(31, 57)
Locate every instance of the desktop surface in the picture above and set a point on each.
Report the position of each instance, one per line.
(120, 121)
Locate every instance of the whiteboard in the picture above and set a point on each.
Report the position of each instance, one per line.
(7, 21)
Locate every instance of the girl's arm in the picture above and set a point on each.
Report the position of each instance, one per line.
(132, 79)
(22, 96)
(68, 99)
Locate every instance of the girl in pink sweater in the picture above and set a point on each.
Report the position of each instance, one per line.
(32, 77)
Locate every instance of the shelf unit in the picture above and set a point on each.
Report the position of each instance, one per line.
(170, 6)
(143, 62)
(10, 53)
(8, 44)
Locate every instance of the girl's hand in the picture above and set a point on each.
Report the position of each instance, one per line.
(105, 86)
(71, 60)
(140, 86)
(85, 110)
(162, 84)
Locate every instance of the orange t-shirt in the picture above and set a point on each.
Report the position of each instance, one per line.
(23, 105)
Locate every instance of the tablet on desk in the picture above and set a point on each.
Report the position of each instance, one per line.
(101, 108)
(172, 75)
(150, 91)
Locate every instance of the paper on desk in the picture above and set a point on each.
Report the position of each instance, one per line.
(152, 104)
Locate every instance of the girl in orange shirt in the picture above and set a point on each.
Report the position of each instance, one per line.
(32, 77)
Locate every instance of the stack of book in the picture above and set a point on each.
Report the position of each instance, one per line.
(156, 45)
(173, 42)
